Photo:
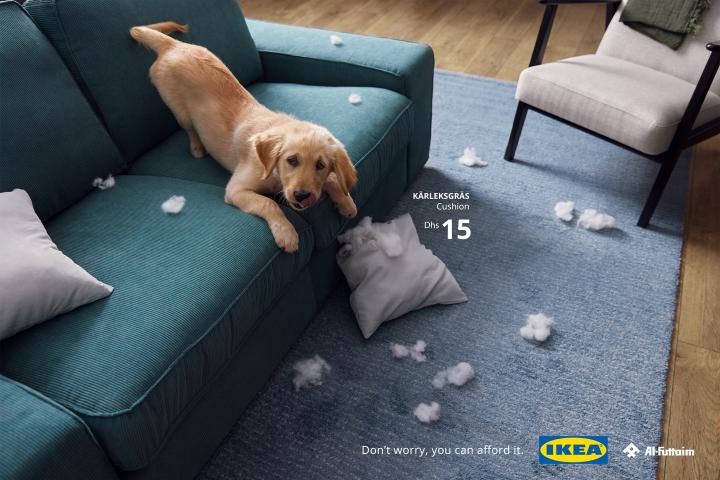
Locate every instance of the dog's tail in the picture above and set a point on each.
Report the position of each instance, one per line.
(156, 36)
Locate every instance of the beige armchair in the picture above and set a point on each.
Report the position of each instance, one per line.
(633, 92)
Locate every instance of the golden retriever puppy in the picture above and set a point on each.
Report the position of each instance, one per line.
(267, 152)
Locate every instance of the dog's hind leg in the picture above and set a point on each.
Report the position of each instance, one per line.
(196, 146)
(197, 149)
(159, 75)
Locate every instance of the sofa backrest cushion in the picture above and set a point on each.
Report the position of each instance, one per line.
(52, 145)
(687, 62)
(93, 38)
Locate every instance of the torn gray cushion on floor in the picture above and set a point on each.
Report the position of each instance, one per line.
(391, 273)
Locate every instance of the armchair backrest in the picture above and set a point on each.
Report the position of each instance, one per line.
(687, 62)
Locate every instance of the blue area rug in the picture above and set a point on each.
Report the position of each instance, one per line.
(602, 372)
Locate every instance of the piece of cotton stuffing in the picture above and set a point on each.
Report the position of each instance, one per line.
(355, 98)
(416, 352)
(457, 375)
(470, 159)
(390, 243)
(564, 210)
(538, 327)
(336, 40)
(310, 372)
(173, 205)
(101, 184)
(399, 351)
(427, 413)
(591, 219)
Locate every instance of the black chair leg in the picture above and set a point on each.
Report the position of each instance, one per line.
(517, 127)
(666, 168)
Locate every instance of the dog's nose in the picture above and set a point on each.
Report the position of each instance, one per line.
(301, 195)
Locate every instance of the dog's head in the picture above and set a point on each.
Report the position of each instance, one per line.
(305, 156)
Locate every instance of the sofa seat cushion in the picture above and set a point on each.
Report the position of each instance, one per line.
(188, 289)
(632, 104)
(113, 70)
(373, 133)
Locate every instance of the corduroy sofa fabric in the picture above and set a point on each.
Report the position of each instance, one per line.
(51, 143)
(309, 58)
(215, 410)
(172, 159)
(42, 440)
(203, 425)
(373, 133)
(188, 288)
(112, 69)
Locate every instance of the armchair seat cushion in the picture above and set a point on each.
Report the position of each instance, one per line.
(629, 103)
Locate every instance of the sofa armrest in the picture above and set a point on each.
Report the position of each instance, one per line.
(40, 439)
(293, 54)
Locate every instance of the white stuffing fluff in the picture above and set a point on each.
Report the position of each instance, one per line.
(427, 413)
(390, 243)
(310, 372)
(109, 182)
(173, 205)
(457, 375)
(355, 98)
(364, 232)
(564, 210)
(470, 159)
(591, 219)
(336, 40)
(440, 379)
(399, 351)
(537, 328)
(416, 352)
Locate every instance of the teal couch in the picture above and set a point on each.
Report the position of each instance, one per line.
(146, 382)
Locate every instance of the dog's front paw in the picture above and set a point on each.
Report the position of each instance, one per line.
(347, 207)
(285, 236)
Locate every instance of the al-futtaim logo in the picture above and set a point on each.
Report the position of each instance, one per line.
(553, 450)
(632, 451)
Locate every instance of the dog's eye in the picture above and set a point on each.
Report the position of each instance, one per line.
(293, 161)
(319, 165)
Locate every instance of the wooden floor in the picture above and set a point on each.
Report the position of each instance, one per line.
(495, 39)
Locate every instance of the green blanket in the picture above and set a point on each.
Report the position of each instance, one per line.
(667, 21)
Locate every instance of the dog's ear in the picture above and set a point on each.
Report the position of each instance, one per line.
(345, 170)
(268, 146)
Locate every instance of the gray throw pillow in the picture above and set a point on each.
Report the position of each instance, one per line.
(391, 273)
(37, 282)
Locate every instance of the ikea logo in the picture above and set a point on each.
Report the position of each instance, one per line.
(554, 450)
